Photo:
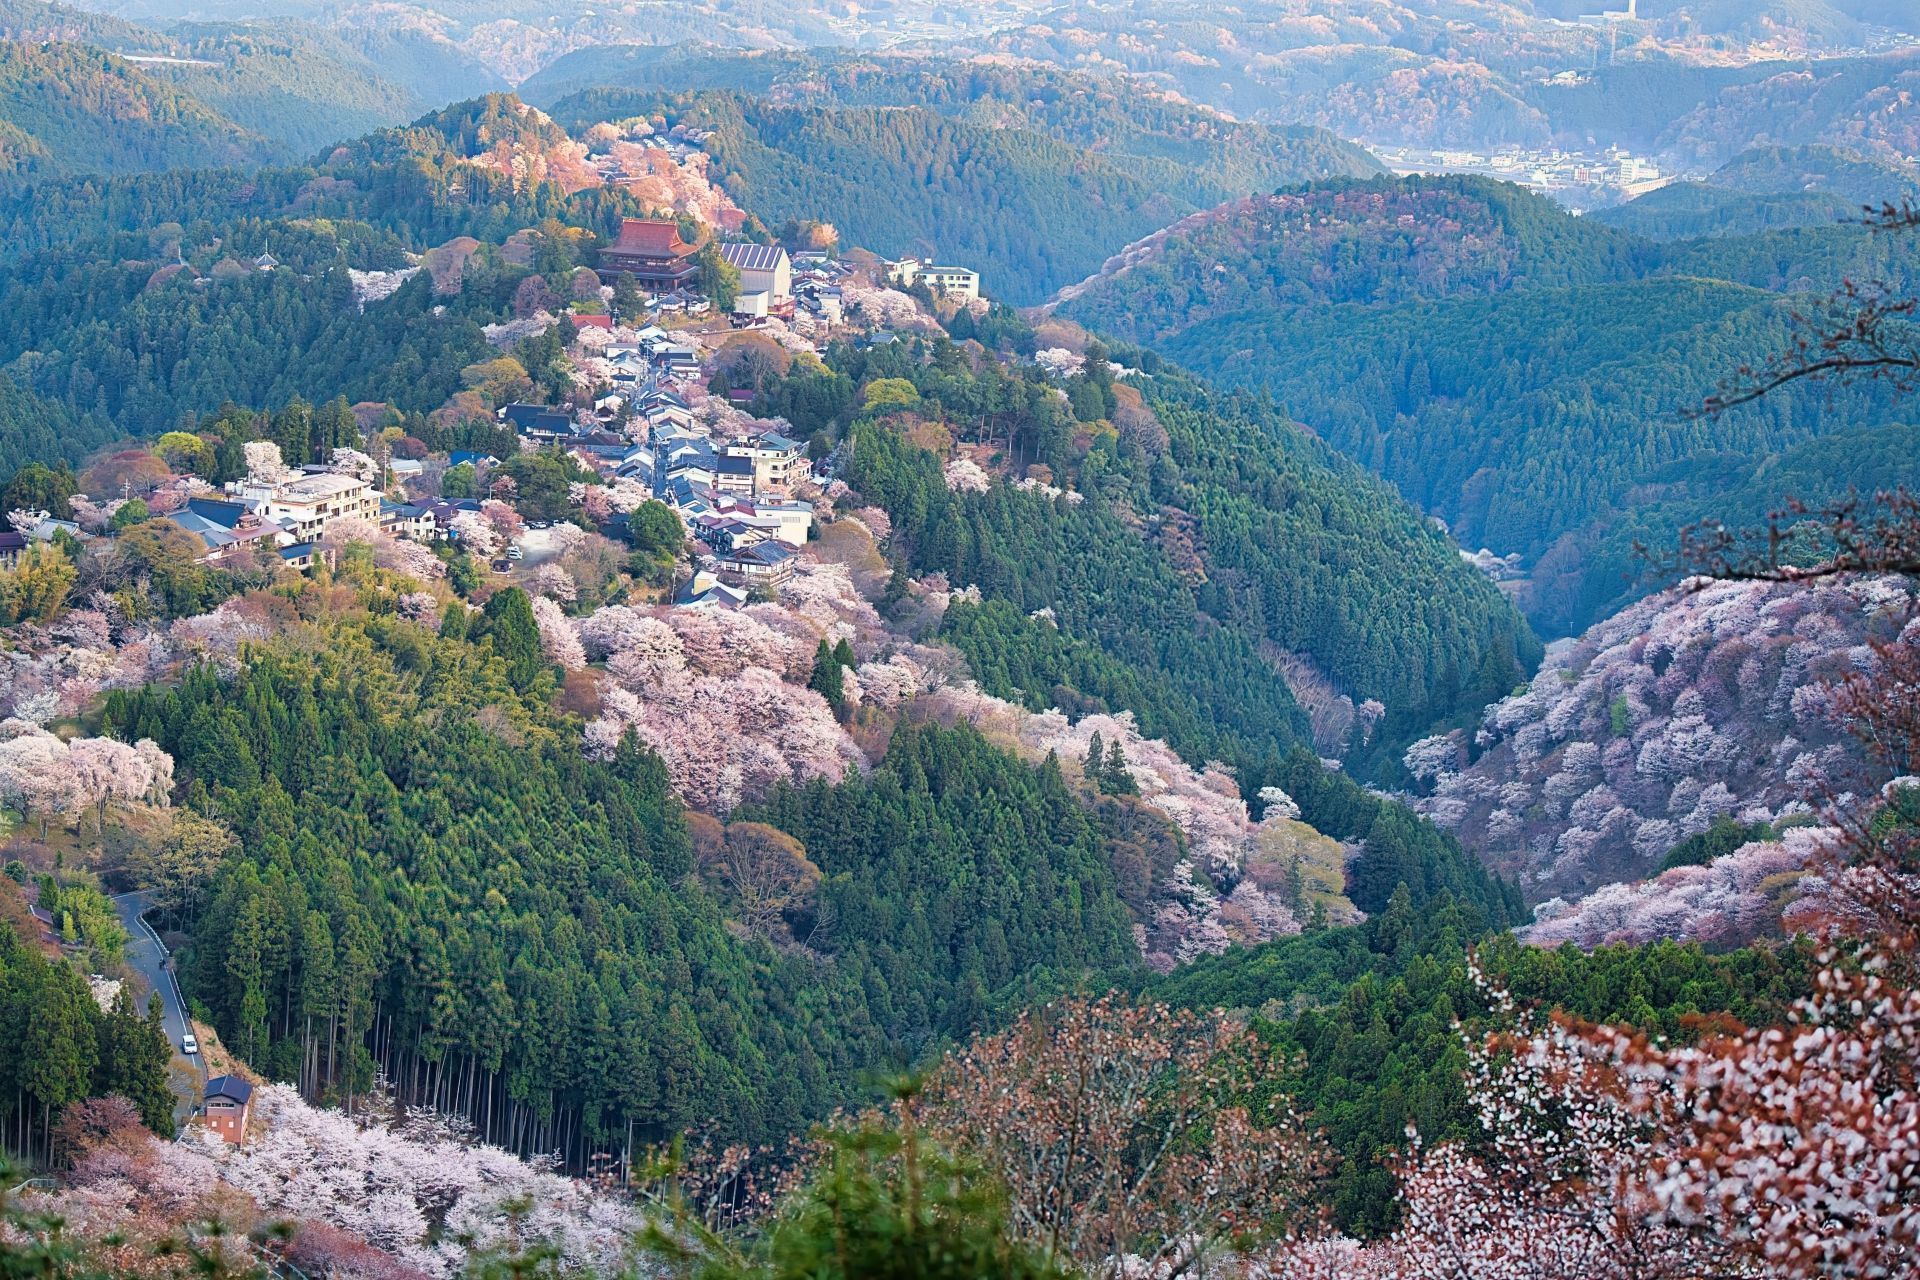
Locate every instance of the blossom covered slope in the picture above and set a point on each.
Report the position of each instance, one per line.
(1687, 708)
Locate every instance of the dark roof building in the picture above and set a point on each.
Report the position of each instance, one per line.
(705, 591)
(221, 511)
(538, 419)
(229, 1087)
(759, 564)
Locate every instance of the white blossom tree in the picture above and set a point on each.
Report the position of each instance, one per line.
(265, 466)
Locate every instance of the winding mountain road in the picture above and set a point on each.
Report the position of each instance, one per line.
(149, 957)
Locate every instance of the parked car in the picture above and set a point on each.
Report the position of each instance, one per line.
(189, 1045)
(515, 553)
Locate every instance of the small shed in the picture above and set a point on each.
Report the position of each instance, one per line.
(227, 1102)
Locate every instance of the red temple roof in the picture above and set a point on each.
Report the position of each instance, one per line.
(650, 238)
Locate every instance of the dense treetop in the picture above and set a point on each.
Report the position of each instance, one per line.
(67, 108)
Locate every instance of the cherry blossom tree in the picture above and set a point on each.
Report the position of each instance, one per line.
(265, 466)
(476, 533)
(408, 558)
(552, 582)
(505, 520)
(419, 606)
(617, 628)
(103, 770)
(727, 738)
(558, 640)
(344, 530)
(418, 1188)
(88, 514)
(352, 462)
(84, 628)
(35, 706)
(964, 475)
(877, 521)
(595, 502)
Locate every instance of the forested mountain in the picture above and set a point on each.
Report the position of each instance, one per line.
(305, 88)
(1686, 210)
(1380, 240)
(966, 190)
(134, 301)
(907, 181)
(1844, 172)
(1080, 675)
(1212, 533)
(1522, 374)
(1686, 710)
(1107, 114)
(1378, 1039)
(232, 93)
(66, 108)
(1430, 640)
(40, 22)
(1705, 114)
(1738, 489)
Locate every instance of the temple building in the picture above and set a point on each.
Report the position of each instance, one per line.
(652, 250)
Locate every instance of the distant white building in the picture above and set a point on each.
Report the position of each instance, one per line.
(955, 282)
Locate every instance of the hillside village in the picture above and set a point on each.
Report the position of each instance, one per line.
(645, 419)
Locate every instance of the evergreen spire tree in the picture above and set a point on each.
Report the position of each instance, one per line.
(1114, 778)
(510, 627)
(828, 680)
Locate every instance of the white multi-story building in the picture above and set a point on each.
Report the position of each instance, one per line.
(306, 507)
(955, 282)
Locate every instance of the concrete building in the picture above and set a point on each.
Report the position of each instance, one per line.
(307, 507)
(764, 268)
(777, 462)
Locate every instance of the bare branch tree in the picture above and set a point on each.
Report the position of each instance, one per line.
(1126, 1137)
(1862, 331)
(1801, 543)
